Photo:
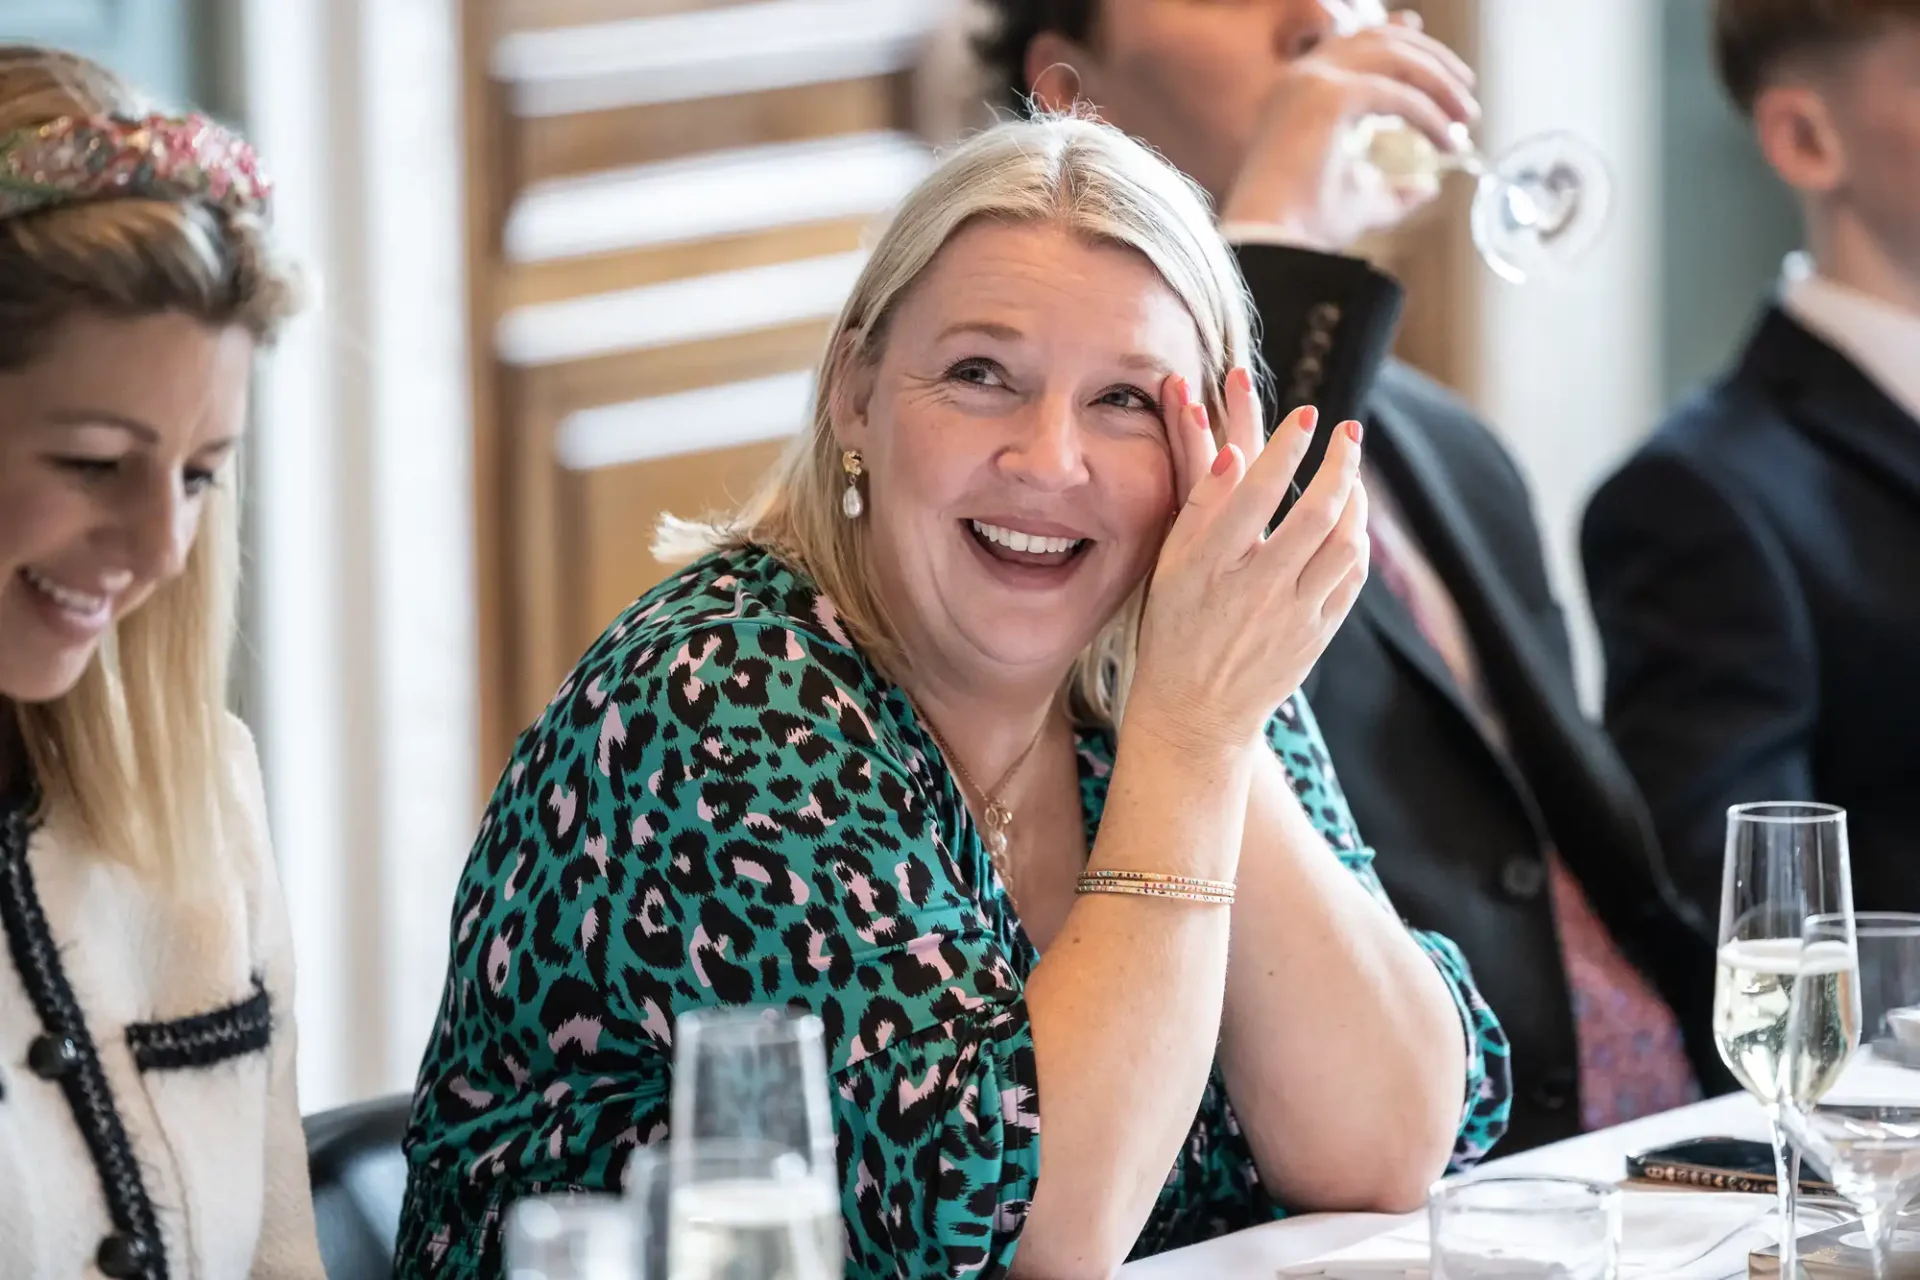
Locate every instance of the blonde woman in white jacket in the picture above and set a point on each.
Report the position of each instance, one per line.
(148, 1119)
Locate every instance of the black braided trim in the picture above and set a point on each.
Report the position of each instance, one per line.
(30, 941)
(205, 1039)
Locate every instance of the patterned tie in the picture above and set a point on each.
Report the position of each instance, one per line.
(1633, 1061)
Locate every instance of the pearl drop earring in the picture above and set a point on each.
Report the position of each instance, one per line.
(852, 505)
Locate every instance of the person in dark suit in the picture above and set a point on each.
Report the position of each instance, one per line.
(1755, 567)
(1498, 813)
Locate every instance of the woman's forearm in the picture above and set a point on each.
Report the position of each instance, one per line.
(1343, 1048)
(1126, 1006)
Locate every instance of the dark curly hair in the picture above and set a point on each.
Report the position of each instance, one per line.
(1016, 23)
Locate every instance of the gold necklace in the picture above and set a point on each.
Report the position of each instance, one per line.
(996, 824)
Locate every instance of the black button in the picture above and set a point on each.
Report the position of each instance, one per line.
(1522, 879)
(122, 1256)
(51, 1057)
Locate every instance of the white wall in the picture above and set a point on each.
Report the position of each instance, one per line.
(364, 620)
(1569, 372)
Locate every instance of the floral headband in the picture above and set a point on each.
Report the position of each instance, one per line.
(74, 159)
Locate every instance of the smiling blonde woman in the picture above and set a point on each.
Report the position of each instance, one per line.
(148, 1123)
(977, 733)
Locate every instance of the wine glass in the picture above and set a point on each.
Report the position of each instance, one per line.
(1785, 863)
(1539, 205)
(754, 1183)
(1865, 1130)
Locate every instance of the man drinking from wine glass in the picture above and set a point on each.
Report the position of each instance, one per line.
(1756, 566)
(1501, 815)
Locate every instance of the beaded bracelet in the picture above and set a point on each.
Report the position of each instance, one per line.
(1150, 884)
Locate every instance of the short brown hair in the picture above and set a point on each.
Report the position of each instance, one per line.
(1753, 39)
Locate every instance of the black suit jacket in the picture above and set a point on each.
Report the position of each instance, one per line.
(1755, 570)
(1459, 826)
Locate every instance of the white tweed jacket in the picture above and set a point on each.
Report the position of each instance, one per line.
(148, 1119)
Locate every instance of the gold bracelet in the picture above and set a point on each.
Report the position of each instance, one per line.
(1161, 878)
(1155, 891)
(1180, 888)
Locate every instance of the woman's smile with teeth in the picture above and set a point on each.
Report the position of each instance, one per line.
(83, 603)
(1031, 543)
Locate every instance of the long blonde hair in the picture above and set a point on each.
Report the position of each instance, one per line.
(135, 753)
(1065, 171)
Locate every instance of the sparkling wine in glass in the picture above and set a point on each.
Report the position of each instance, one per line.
(1538, 206)
(1865, 1129)
(754, 1183)
(1795, 1063)
(1785, 864)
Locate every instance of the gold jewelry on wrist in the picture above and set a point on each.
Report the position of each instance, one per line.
(1153, 884)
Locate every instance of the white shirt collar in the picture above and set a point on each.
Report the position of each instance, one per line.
(1880, 338)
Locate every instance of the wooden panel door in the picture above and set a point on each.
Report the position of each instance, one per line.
(612, 513)
(657, 257)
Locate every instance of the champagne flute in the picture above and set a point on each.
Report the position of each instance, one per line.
(1865, 1129)
(1541, 204)
(754, 1183)
(1785, 863)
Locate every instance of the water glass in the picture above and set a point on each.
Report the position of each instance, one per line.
(755, 1076)
(575, 1236)
(753, 1184)
(751, 1213)
(1524, 1229)
(648, 1187)
(1865, 1130)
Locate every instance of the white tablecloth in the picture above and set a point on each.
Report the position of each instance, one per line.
(1257, 1254)
(1602, 1157)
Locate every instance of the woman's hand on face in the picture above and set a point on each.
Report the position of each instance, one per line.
(1236, 617)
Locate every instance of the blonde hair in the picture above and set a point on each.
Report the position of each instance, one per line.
(1063, 171)
(135, 753)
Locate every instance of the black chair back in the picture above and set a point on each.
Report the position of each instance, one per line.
(359, 1179)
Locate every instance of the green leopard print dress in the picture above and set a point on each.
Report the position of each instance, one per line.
(725, 804)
